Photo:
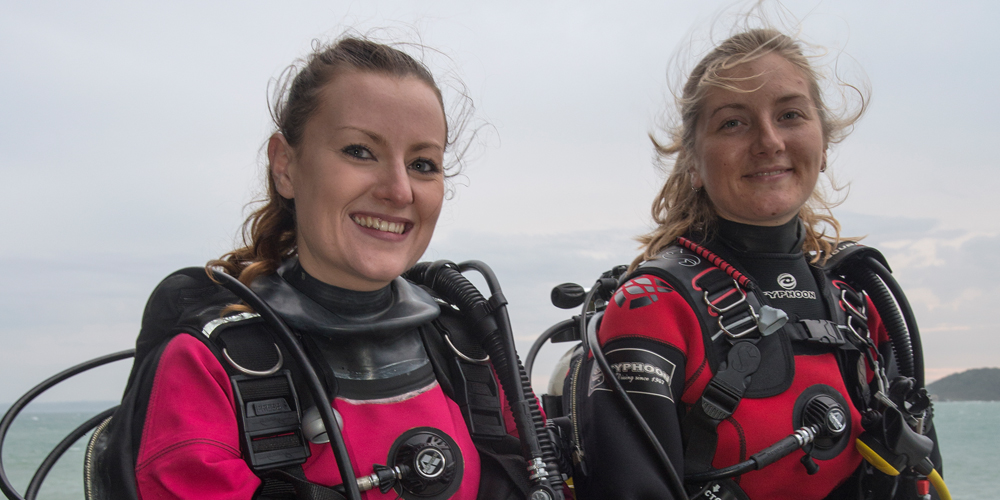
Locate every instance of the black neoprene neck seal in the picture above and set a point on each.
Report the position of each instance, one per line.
(786, 238)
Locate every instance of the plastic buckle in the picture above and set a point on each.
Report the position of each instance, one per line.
(725, 390)
(719, 401)
(823, 332)
(271, 429)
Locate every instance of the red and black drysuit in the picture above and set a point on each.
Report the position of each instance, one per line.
(369, 348)
(664, 355)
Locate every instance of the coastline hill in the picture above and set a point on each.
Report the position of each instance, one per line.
(978, 384)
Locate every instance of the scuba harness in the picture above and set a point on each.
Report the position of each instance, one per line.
(895, 413)
(465, 345)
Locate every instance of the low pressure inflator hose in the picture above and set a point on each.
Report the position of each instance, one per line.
(826, 420)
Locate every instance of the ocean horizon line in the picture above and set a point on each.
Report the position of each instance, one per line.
(61, 406)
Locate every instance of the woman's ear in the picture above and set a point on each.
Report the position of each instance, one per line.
(696, 182)
(279, 158)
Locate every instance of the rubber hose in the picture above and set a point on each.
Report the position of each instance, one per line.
(544, 438)
(724, 473)
(938, 482)
(451, 284)
(537, 443)
(553, 330)
(885, 305)
(911, 321)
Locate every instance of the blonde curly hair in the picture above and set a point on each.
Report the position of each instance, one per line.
(677, 208)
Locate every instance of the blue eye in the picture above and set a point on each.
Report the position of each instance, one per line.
(790, 115)
(730, 123)
(358, 151)
(424, 165)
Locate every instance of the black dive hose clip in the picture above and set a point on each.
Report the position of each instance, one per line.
(492, 327)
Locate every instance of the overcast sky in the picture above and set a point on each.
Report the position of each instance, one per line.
(131, 131)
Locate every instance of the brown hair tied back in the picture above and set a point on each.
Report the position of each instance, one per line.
(678, 209)
(269, 233)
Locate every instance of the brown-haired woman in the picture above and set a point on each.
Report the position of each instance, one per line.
(732, 331)
(356, 180)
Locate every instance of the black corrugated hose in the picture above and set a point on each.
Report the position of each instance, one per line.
(868, 280)
(493, 328)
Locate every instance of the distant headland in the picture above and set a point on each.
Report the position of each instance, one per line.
(978, 384)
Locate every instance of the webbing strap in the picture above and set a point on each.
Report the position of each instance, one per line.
(721, 398)
(254, 389)
(477, 395)
(270, 423)
(714, 281)
(291, 482)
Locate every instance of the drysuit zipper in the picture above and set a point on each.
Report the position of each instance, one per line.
(89, 457)
(577, 443)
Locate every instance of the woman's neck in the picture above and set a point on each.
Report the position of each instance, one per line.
(786, 238)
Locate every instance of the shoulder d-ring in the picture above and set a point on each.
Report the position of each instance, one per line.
(255, 373)
(458, 353)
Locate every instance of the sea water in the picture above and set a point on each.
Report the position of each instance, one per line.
(30, 439)
(967, 432)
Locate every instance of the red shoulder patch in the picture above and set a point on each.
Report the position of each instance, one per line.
(641, 292)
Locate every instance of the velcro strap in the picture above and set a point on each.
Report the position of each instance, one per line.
(482, 318)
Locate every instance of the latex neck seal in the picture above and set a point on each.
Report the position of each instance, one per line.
(409, 307)
(374, 348)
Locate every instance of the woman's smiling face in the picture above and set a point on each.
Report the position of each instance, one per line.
(760, 150)
(367, 179)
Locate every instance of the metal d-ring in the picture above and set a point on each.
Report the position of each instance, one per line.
(853, 315)
(752, 319)
(720, 312)
(728, 308)
(844, 301)
(486, 360)
(255, 373)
